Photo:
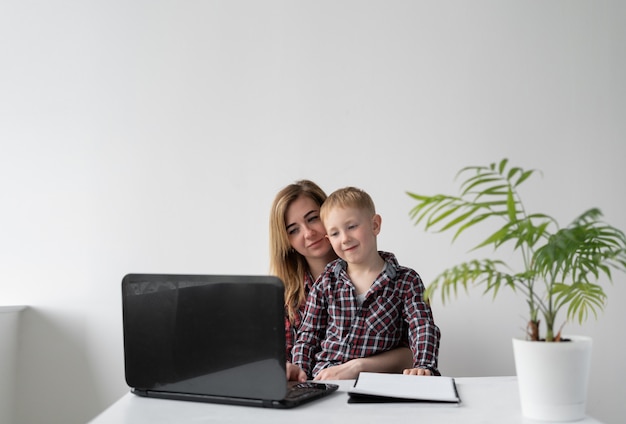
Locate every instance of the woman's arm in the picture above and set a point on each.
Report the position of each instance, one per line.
(391, 361)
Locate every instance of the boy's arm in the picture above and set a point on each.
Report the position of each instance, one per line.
(424, 335)
(426, 342)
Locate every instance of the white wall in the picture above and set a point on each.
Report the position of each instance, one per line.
(152, 135)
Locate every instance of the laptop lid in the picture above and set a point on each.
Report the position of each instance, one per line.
(190, 336)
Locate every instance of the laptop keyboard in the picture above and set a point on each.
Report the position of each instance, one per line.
(304, 390)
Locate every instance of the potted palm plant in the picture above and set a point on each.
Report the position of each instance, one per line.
(560, 270)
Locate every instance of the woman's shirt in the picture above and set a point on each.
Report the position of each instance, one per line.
(291, 329)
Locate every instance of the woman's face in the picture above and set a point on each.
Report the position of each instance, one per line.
(305, 231)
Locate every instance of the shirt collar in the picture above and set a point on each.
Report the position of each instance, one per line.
(390, 268)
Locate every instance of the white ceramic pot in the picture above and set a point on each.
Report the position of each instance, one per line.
(553, 378)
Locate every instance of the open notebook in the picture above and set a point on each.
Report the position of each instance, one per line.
(210, 338)
(377, 387)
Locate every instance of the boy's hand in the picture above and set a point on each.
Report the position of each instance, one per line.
(416, 371)
(295, 373)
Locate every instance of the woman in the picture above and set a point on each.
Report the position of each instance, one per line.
(299, 252)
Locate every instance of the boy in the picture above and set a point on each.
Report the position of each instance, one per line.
(364, 302)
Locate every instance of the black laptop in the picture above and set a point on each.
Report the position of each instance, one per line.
(209, 338)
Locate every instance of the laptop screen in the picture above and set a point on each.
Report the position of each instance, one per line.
(205, 334)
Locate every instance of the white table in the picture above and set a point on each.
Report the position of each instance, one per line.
(484, 400)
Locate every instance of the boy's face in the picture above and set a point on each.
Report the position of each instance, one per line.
(352, 233)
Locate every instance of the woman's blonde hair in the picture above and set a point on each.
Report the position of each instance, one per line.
(287, 264)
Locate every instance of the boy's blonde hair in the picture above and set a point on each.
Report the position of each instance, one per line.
(348, 197)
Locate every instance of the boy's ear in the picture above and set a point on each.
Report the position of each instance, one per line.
(376, 223)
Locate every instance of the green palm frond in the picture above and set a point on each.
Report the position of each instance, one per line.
(568, 260)
(476, 272)
(583, 299)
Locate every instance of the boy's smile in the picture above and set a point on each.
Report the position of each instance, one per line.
(351, 233)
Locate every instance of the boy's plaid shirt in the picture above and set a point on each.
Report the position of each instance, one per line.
(335, 329)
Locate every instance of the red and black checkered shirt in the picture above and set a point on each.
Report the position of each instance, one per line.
(335, 329)
(291, 328)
